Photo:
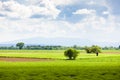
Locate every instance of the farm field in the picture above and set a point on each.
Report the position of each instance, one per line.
(106, 66)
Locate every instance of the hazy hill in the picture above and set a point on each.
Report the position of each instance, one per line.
(59, 41)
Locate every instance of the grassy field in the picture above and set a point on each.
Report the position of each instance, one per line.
(86, 67)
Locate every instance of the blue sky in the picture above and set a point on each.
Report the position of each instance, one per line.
(97, 20)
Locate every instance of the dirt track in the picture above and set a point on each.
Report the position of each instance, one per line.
(10, 59)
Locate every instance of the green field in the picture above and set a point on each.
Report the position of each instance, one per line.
(106, 66)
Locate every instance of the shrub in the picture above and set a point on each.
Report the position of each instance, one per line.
(71, 54)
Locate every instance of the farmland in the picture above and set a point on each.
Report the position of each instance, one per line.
(106, 66)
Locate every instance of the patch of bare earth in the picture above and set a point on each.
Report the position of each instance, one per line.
(111, 52)
(12, 59)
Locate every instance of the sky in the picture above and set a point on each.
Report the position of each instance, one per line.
(97, 20)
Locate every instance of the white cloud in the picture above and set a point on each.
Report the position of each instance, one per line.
(38, 27)
(106, 13)
(13, 9)
(85, 11)
(92, 27)
(105, 25)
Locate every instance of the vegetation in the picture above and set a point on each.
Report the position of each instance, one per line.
(51, 47)
(20, 45)
(71, 54)
(77, 71)
(85, 67)
(93, 49)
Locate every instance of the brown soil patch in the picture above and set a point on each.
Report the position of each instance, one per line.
(12, 59)
(111, 52)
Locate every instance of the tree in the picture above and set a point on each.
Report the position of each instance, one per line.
(20, 45)
(93, 49)
(71, 54)
(96, 49)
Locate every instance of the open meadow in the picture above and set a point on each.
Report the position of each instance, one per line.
(52, 65)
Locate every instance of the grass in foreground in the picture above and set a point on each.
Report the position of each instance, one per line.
(45, 71)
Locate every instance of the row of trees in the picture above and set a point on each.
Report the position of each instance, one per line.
(21, 45)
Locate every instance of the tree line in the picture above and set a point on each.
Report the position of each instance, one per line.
(21, 45)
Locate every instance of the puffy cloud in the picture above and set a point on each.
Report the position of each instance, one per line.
(94, 27)
(13, 9)
(85, 11)
(38, 27)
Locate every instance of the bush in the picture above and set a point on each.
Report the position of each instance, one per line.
(71, 54)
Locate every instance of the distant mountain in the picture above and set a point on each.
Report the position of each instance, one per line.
(60, 41)
(6, 45)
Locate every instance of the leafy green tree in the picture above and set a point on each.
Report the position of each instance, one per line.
(71, 54)
(20, 45)
(96, 49)
(93, 49)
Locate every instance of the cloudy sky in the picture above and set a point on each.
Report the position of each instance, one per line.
(97, 20)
